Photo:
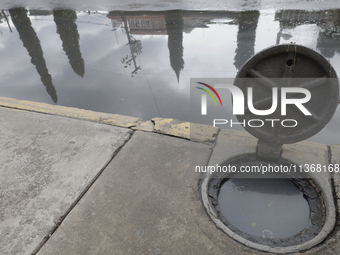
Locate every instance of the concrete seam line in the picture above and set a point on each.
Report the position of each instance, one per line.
(62, 218)
(214, 145)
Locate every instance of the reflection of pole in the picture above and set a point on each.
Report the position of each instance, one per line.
(3, 13)
(32, 45)
(130, 42)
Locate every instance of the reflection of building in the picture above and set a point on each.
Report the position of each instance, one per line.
(115, 24)
(40, 12)
(328, 22)
(153, 23)
(193, 19)
(171, 23)
(148, 23)
(293, 18)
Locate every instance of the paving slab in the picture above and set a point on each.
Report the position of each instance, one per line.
(232, 143)
(145, 202)
(193, 131)
(46, 163)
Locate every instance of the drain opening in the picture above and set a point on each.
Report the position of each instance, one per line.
(271, 209)
(264, 207)
(289, 62)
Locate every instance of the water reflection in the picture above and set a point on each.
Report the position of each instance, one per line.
(31, 42)
(160, 50)
(135, 49)
(328, 23)
(67, 29)
(174, 28)
(247, 23)
(264, 207)
(4, 15)
(152, 23)
(129, 25)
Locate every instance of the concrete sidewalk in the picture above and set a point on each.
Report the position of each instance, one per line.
(108, 184)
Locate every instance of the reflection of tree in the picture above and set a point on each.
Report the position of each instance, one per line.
(246, 37)
(32, 44)
(67, 29)
(174, 28)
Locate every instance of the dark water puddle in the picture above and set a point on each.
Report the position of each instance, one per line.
(140, 63)
(270, 208)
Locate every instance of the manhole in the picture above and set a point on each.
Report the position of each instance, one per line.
(272, 209)
(281, 211)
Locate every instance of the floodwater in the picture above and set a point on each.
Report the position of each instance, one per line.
(140, 63)
(269, 208)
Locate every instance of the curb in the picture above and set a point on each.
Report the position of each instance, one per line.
(191, 131)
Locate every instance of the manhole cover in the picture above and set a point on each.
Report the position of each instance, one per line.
(280, 67)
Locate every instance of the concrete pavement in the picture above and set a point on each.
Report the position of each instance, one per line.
(46, 164)
(108, 185)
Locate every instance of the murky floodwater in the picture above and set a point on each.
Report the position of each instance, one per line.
(270, 208)
(140, 63)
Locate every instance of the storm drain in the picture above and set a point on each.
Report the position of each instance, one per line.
(270, 209)
(277, 211)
